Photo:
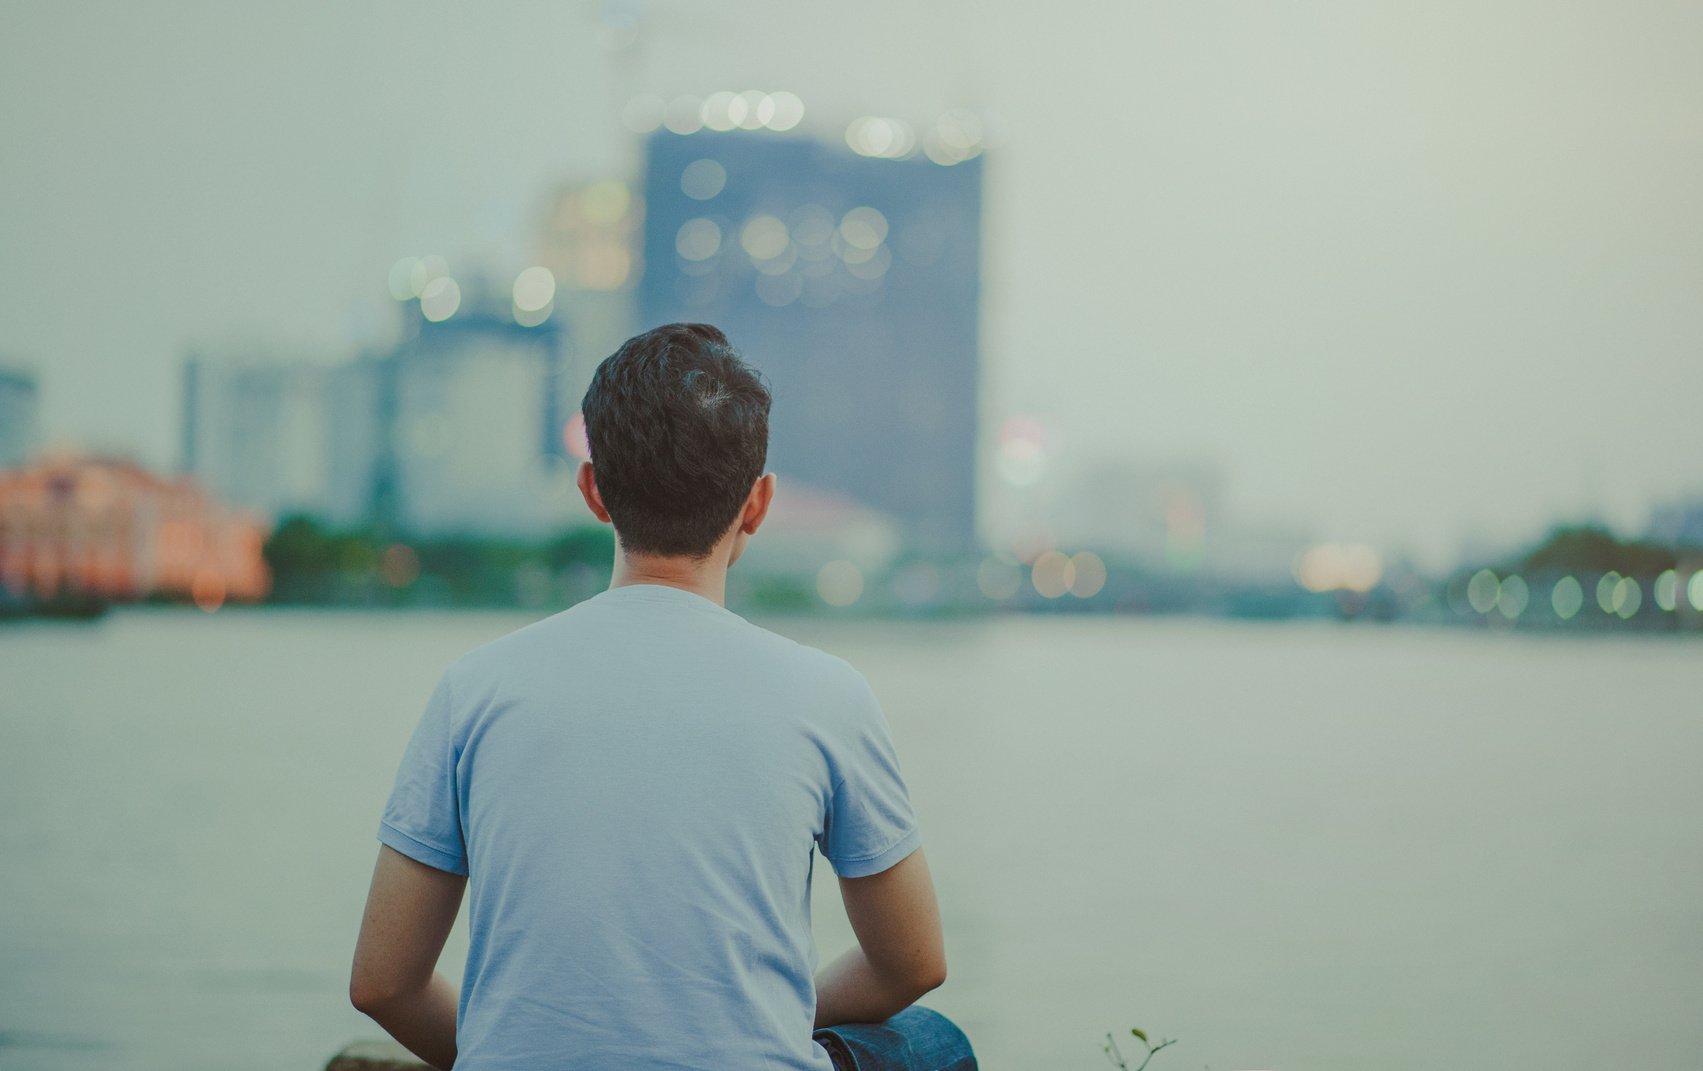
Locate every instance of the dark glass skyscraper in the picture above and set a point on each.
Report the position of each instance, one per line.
(853, 284)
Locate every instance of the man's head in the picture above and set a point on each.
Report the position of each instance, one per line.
(678, 426)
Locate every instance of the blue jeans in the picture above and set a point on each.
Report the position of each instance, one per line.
(916, 1039)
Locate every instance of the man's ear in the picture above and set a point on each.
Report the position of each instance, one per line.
(757, 503)
(588, 488)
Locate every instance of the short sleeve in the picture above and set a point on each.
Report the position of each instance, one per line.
(870, 825)
(422, 819)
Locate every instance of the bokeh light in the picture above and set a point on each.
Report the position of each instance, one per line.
(1185, 532)
(1021, 456)
(698, 239)
(400, 565)
(1088, 574)
(779, 264)
(430, 267)
(1606, 585)
(532, 317)
(574, 439)
(813, 229)
(839, 583)
(1482, 591)
(606, 202)
(745, 109)
(683, 115)
(208, 589)
(604, 267)
(1666, 590)
(1512, 596)
(724, 110)
(873, 267)
(1348, 567)
(780, 111)
(407, 276)
(872, 135)
(1021, 462)
(956, 136)
(534, 289)
(1052, 574)
(863, 228)
(703, 179)
(717, 110)
(440, 299)
(1628, 597)
(1567, 598)
(1695, 590)
(764, 237)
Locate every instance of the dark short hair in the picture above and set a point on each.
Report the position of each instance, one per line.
(678, 426)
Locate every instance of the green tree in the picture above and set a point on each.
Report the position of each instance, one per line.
(1592, 549)
(590, 544)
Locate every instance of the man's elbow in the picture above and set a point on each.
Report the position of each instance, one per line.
(934, 977)
(371, 994)
(924, 977)
(364, 996)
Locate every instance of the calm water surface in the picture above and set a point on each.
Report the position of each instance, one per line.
(1291, 846)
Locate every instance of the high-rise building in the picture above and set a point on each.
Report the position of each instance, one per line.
(255, 432)
(853, 284)
(353, 441)
(471, 420)
(18, 408)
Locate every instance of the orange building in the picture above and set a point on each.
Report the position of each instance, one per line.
(106, 529)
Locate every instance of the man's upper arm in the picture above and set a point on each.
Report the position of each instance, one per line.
(897, 921)
(410, 909)
(422, 818)
(869, 824)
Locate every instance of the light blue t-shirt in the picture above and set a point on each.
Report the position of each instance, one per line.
(636, 788)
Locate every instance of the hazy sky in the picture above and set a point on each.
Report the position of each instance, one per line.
(1409, 273)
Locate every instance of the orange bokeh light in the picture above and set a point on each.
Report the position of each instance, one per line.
(208, 589)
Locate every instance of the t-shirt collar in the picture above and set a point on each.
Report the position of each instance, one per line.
(662, 593)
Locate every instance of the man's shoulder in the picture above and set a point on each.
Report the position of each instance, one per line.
(478, 669)
(836, 692)
(493, 653)
(829, 668)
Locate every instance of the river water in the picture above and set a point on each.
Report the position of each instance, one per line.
(1288, 845)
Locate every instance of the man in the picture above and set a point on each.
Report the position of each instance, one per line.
(634, 790)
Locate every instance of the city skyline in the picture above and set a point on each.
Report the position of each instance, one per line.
(1406, 284)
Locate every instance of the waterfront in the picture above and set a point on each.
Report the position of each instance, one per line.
(1288, 845)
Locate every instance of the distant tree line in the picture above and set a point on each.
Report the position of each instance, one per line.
(1592, 549)
(314, 564)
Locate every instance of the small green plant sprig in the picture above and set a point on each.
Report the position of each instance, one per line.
(1116, 1056)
